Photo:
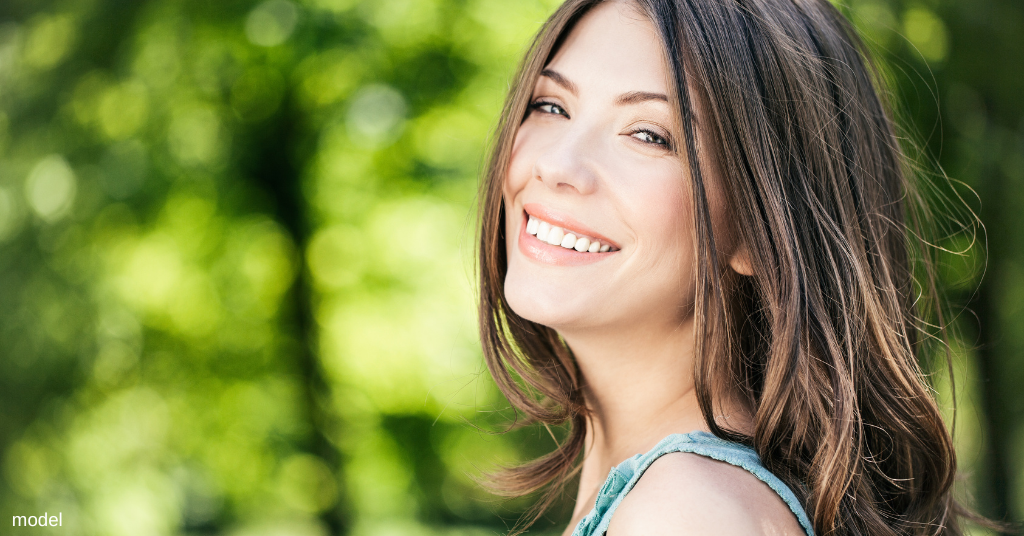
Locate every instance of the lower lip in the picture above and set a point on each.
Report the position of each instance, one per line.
(534, 248)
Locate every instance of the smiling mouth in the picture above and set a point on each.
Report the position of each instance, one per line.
(557, 236)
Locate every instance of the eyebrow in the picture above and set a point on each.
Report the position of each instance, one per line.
(632, 97)
(557, 78)
(636, 97)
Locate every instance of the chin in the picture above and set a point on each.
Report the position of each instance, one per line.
(556, 308)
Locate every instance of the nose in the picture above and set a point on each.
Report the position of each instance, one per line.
(571, 162)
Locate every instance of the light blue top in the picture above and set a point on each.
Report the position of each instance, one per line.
(624, 476)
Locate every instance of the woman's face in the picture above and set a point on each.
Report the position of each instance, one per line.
(597, 158)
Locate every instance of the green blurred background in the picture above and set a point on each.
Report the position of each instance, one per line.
(236, 257)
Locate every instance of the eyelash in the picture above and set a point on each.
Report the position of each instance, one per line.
(656, 139)
(536, 106)
(659, 140)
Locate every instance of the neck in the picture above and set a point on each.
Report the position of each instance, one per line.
(639, 387)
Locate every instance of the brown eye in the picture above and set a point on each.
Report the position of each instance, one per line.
(651, 138)
(545, 107)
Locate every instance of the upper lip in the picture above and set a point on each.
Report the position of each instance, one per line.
(566, 222)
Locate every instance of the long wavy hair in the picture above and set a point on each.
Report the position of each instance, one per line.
(823, 341)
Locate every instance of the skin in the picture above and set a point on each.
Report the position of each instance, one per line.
(600, 147)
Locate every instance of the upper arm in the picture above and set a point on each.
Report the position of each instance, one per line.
(687, 494)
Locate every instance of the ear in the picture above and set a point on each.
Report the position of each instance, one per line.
(740, 261)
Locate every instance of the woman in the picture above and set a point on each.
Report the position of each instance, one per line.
(693, 250)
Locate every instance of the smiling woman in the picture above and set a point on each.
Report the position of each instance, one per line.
(692, 249)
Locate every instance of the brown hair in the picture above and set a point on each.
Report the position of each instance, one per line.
(822, 342)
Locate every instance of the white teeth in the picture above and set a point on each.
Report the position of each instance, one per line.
(568, 241)
(555, 236)
(542, 231)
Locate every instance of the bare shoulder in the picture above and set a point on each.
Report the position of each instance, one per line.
(683, 493)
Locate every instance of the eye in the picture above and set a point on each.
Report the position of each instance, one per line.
(546, 107)
(651, 138)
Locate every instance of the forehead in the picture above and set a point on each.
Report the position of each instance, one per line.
(615, 48)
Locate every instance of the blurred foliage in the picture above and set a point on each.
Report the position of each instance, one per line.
(236, 257)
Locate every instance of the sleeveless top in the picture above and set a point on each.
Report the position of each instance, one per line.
(624, 476)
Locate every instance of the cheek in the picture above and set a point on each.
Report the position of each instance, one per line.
(675, 236)
(520, 165)
(665, 235)
(662, 204)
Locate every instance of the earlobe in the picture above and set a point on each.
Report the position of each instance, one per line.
(740, 261)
